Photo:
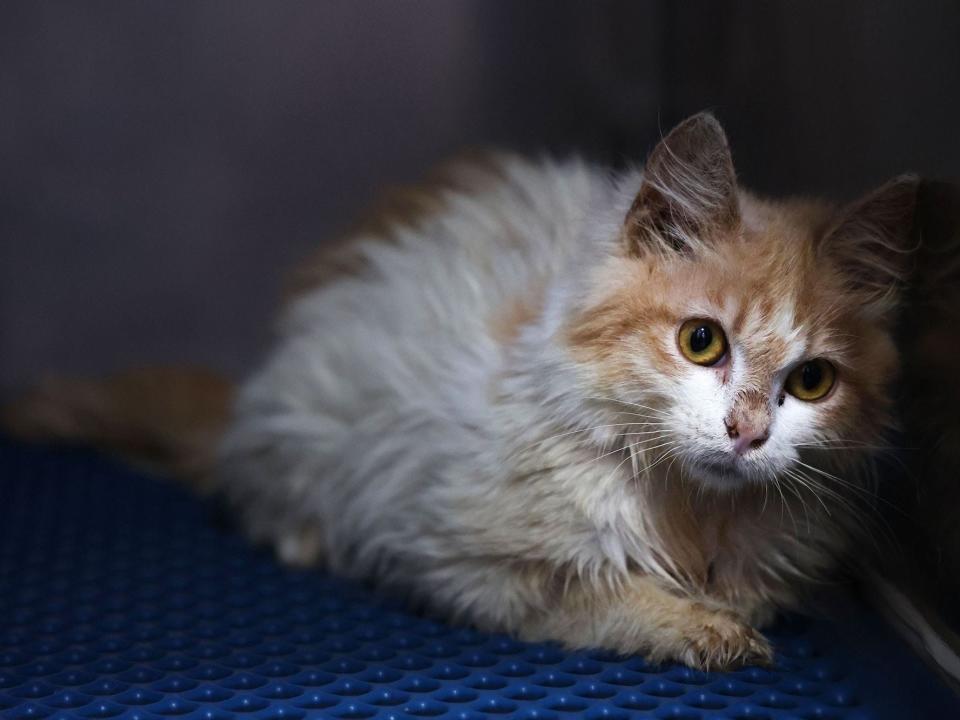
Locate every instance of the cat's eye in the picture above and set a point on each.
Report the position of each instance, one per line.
(811, 380)
(702, 341)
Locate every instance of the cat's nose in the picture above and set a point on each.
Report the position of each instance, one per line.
(746, 436)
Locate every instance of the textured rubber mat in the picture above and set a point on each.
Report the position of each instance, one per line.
(119, 597)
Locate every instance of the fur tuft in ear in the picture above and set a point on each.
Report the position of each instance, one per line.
(873, 240)
(689, 188)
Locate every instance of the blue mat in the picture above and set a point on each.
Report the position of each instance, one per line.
(120, 598)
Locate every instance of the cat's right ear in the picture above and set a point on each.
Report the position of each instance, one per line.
(873, 241)
(689, 190)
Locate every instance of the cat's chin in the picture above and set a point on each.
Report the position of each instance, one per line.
(719, 475)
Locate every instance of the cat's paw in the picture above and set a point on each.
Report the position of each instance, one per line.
(718, 640)
(300, 548)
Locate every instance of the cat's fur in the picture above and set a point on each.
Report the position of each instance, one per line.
(486, 406)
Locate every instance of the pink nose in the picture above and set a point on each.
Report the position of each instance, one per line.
(746, 437)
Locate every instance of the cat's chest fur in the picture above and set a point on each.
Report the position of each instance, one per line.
(588, 509)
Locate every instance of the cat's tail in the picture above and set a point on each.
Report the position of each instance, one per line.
(168, 418)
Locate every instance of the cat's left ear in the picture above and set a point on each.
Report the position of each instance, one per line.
(688, 192)
(873, 240)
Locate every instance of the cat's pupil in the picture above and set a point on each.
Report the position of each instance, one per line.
(700, 339)
(811, 376)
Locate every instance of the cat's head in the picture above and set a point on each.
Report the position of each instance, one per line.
(742, 338)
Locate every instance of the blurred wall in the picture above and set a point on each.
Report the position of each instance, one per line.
(163, 163)
(824, 96)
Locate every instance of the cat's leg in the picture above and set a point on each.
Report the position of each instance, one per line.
(266, 478)
(642, 617)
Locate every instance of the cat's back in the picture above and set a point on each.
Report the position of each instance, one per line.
(421, 305)
(480, 224)
(381, 380)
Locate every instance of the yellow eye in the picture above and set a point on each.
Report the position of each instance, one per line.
(702, 341)
(812, 380)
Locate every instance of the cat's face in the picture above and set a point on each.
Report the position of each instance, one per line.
(742, 357)
(752, 345)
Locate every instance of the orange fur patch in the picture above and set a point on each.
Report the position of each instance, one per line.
(517, 312)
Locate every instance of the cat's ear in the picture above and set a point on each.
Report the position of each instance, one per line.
(872, 242)
(689, 189)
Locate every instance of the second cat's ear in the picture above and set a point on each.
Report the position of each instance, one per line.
(689, 190)
(872, 240)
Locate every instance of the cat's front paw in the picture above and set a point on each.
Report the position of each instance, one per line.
(300, 548)
(718, 640)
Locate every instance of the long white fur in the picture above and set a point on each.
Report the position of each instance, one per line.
(391, 436)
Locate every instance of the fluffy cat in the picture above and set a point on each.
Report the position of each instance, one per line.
(619, 410)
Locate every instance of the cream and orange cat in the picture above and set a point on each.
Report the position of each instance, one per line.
(617, 410)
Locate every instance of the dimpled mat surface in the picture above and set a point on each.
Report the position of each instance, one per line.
(120, 597)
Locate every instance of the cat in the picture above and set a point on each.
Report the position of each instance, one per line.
(622, 410)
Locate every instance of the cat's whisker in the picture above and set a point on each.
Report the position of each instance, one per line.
(784, 505)
(645, 432)
(574, 432)
(796, 477)
(824, 473)
(803, 501)
(661, 416)
(666, 444)
(645, 419)
(853, 487)
(672, 453)
(674, 449)
(828, 445)
(629, 457)
(646, 450)
(701, 488)
(609, 453)
(827, 491)
(633, 462)
(868, 523)
(666, 472)
(627, 402)
(846, 503)
(828, 441)
(648, 468)
(841, 444)
(890, 452)
(629, 447)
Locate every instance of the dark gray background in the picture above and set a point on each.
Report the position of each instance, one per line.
(162, 164)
